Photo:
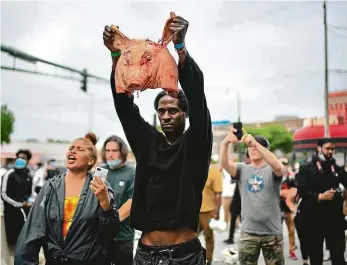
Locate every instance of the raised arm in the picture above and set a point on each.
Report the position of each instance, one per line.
(136, 129)
(267, 155)
(191, 79)
(270, 159)
(229, 165)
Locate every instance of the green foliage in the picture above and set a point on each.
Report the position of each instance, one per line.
(7, 124)
(278, 135)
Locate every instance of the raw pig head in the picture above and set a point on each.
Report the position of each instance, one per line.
(145, 64)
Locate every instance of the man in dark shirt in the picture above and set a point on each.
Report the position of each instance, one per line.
(15, 192)
(321, 208)
(172, 167)
(121, 178)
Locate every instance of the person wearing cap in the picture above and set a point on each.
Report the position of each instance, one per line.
(259, 184)
(288, 182)
(319, 186)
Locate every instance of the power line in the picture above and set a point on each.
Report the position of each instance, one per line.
(336, 34)
(225, 24)
(338, 27)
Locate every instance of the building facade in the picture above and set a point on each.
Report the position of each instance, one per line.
(338, 106)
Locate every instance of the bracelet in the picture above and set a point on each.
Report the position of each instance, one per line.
(115, 54)
(181, 51)
(179, 46)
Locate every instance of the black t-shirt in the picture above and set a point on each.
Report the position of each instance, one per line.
(121, 181)
(169, 178)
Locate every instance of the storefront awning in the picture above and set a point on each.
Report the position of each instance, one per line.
(306, 138)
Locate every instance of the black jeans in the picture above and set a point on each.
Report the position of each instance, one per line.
(304, 237)
(187, 253)
(235, 211)
(334, 236)
(121, 252)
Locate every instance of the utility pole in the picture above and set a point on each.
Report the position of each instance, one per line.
(326, 73)
(238, 105)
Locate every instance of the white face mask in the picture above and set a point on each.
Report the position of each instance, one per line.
(321, 156)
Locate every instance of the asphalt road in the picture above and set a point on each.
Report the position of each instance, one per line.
(219, 259)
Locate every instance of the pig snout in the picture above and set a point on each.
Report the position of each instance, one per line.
(137, 79)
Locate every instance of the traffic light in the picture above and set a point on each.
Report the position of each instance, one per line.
(84, 81)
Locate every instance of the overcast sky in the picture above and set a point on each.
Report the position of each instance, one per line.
(272, 52)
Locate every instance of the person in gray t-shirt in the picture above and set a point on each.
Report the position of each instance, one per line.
(259, 184)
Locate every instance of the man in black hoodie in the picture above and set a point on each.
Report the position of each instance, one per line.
(172, 167)
(318, 184)
(15, 192)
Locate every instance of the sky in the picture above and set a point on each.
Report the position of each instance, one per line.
(271, 52)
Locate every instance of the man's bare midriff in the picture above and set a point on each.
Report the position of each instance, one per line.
(165, 238)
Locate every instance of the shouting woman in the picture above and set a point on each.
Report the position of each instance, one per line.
(73, 216)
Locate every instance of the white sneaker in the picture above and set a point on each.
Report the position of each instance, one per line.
(231, 256)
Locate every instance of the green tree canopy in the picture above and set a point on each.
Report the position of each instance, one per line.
(278, 135)
(7, 124)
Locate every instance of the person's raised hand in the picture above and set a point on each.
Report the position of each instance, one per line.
(179, 27)
(108, 37)
(231, 138)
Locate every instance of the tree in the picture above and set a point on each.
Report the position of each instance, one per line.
(278, 135)
(7, 122)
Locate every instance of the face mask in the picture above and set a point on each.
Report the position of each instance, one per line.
(114, 163)
(52, 164)
(20, 163)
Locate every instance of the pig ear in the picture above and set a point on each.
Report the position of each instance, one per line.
(120, 40)
(167, 33)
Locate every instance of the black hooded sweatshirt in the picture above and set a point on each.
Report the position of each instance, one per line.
(169, 179)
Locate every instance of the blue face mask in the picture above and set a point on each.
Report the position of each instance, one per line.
(114, 163)
(52, 164)
(20, 163)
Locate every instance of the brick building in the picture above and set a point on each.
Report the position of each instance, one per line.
(338, 105)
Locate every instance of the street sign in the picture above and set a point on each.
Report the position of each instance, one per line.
(222, 122)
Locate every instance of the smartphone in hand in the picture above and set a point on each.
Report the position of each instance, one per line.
(101, 173)
(238, 127)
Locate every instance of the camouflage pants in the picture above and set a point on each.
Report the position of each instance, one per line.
(250, 246)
